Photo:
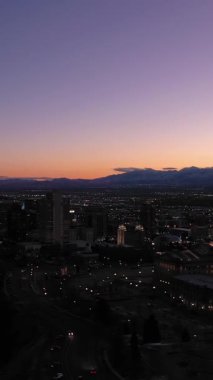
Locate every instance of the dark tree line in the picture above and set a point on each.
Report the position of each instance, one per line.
(151, 332)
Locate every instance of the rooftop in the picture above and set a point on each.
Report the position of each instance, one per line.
(197, 279)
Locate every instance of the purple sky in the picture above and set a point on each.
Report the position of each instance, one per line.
(89, 85)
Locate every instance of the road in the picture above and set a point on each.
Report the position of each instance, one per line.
(77, 355)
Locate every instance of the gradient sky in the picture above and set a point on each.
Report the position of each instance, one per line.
(90, 85)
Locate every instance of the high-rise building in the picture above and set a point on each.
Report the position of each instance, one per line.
(58, 228)
(59, 222)
(130, 235)
(121, 234)
(51, 218)
(17, 223)
(147, 218)
(21, 221)
(134, 235)
(96, 219)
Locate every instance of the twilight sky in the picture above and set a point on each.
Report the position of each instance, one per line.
(90, 85)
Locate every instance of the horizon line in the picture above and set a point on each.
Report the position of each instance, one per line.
(117, 172)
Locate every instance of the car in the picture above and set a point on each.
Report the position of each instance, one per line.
(89, 373)
(56, 347)
(71, 335)
(59, 375)
(93, 372)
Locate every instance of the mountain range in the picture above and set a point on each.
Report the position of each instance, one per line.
(126, 177)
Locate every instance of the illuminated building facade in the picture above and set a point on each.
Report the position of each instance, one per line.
(121, 235)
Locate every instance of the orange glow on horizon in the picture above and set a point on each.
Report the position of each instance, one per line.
(83, 172)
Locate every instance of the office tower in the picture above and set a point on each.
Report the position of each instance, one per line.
(130, 235)
(51, 218)
(16, 223)
(147, 217)
(96, 219)
(134, 235)
(21, 222)
(57, 218)
(121, 234)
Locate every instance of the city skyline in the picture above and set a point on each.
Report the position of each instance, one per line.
(90, 86)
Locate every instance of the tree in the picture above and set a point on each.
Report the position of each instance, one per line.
(102, 311)
(151, 333)
(185, 335)
(134, 347)
(7, 313)
(117, 348)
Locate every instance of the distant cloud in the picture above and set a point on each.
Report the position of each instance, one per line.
(26, 178)
(127, 170)
(42, 179)
(132, 169)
